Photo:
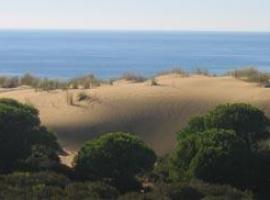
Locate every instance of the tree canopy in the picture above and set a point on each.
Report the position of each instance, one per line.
(115, 156)
(20, 131)
(222, 147)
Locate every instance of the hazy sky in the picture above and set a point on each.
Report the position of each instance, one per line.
(239, 15)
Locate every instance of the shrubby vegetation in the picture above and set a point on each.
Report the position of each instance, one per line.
(49, 185)
(86, 82)
(215, 154)
(117, 158)
(133, 77)
(178, 71)
(22, 138)
(251, 74)
(223, 147)
(182, 72)
(192, 190)
(201, 71)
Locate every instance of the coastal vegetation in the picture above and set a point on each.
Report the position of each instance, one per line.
(85, 82)
(218, 156)
(249, 74)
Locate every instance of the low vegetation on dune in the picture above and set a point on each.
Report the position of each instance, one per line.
(218, 156)
(178, 71)
(133, 77)
(182, 72)
(248, 74)
(252, 74)
(85, 82)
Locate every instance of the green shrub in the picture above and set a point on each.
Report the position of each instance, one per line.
(247, 121)
(94, 190)
(48, 185)
(216, 156)
(160, 173)
(219, 192)
(117, 157)
(223, 147)
(20, 130)
(193, 190)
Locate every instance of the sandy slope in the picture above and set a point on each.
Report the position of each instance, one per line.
(153, 112)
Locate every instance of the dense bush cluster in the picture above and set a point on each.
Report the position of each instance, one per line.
(115, 157)
(49, 185)
(215, 154)
(223, 147)
(193, 190)
(23, 141)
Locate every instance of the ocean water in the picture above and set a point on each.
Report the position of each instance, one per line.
(65, 54)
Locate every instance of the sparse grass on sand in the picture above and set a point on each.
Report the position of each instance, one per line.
(201, 71)
(251, 74)
(177, 71)
(133, 77)
(86, 82)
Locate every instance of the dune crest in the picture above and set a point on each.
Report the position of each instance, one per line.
(155, 113)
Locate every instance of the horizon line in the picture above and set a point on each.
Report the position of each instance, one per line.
(134, 30)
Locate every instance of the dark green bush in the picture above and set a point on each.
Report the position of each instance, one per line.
(117, 157)
(160, 173)
(217, 156)
(94, 190)
(247, 121)
(223, 147)
(48, 185)
(194, 190)
(20, 131)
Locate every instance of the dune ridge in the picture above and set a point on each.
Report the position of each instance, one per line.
(155, 113)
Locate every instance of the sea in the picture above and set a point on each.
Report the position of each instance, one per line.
(108, 54)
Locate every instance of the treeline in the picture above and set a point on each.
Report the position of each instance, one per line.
(221, 155)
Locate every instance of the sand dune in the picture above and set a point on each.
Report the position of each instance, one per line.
(155, 113)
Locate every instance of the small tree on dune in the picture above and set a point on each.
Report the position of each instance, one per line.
(116, 157)
(20, 131)
(223, 147)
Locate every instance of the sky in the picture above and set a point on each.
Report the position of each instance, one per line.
(200, 15)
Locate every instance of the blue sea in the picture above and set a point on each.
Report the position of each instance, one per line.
(108, 54)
